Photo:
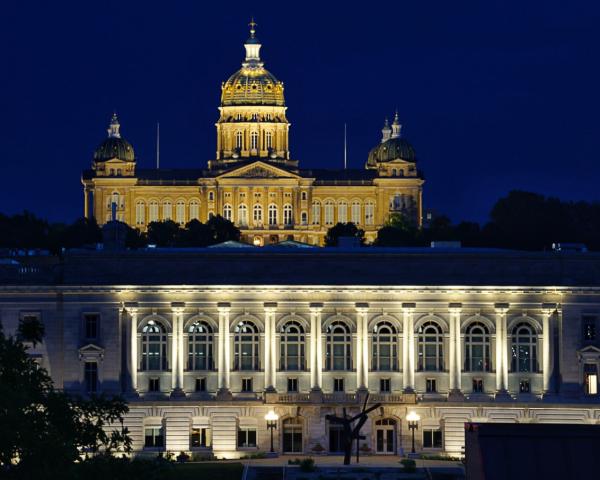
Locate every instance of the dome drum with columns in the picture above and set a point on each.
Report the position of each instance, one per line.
(253, 180)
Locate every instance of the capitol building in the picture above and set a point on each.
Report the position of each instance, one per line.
(254, 180)
(205, 342)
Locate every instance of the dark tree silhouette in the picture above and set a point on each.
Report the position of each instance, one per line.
(343, 230)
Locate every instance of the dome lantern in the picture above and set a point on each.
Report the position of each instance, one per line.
(396, 126)
(114, 147)
(386, 131)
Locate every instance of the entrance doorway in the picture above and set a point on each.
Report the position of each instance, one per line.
(335, 439)
(385, 436)
(292, 435)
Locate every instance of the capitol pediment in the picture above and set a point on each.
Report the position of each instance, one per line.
(258, 170)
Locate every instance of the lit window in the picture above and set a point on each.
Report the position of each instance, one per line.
(369, 213)
(246, 346)
(194, 210)
(140, 213)
(287, 214)
(239, 139)
(153, 211)
(316, 213)
(524, 349)
(200, 437)
(384, 345)
(431, 347)
(329, 209)
(254, 140)
(339, 347)
(180, 212)
(356, 212)
(257, 214)
(167, 210)
(272, 214)
(477, 348)
(154, 346)
(228, 212)
(292, 346)
(200, 346)
(243, 215)
(590, 372)
(269, 139)
(342, 211)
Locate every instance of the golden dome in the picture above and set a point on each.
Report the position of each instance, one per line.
(253, 84)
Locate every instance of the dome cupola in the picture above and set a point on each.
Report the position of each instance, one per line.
(114, 146)
(392, 146)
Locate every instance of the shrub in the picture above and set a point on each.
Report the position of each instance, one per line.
(318, 448)
(183, 457)
(409, 465)
(307, 465)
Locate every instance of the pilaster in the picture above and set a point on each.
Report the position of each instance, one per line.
(270, 354)
(316, 352)
(408, 348)
(177, 309)
(132, 309)
(224, 360)
(455, 359)
(501, 351)
(362, 346)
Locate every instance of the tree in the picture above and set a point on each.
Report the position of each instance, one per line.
(343, 230)
(84, 231)
(45, 430)
(196, 234)
(399, 231)
(163, 234)
(222, 229)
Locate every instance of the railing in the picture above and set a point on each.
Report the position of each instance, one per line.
(339, 397)
(293, 397)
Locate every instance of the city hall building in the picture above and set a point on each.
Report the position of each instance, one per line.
(204, 343)
(253, 180)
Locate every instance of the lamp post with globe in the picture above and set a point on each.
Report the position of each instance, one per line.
(271, 419)
(413, 423)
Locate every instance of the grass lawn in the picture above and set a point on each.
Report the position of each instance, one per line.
(207, 471)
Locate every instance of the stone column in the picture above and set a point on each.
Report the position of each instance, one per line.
(316, 352)
(86, 195)
(224, 350)
(270, 347)
(455, 352)
(132, 310)
(501, 349)
(408, 343)
(362, 346)
(177, 349)
(547, 310)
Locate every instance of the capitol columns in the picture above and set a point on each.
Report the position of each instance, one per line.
(408, 347)
(270, 347)
(455, 352)
(177, 309)
(501, 349)
(316, 349)
(548, 310)
(132, 309)
(362, 346)
(224, 352)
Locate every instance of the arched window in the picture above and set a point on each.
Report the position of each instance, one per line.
(243, 215)
(304, 218)
(239, 140)
(257, 214)
(211, 196)
(140, 212)
(292, 346)
(339, 347)
(194, 210)
(180, 212)
(477, 348)
(227, 212)
(431, 347)
(246, 346)
(269, 139)
(254, 140)
(287, 214)
(369, 213)
(200, 346)
(316, 212)
(167, 210)
(384, 347)
(356, 212)
(272, 214)
(342, 211)
(154, 346)
(524, 348)
(329, 212)
(153, 211)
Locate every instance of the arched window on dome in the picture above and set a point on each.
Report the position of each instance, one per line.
(272, 214)
(239, 140)
(180, 212)
(257, 214)
(316, 212)
(254, 140)
(194, 210)
(154, 346)
(384, 343)
(524, 348)
(477, 348)
(356, 212)
(342, 211)
(246, 351)
(269, 139)
(200, 346)
(140, 212)
(431, 347)
(243, 215)
(228, 212)
(287, 214)
(339, 346)
(292, 346)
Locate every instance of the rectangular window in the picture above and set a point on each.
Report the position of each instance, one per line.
(292, 385)
(246, 437)
(477, 385)
(154, 384)
(91, 377)
(524, 386)
(91, 324)
(154, 437)
(431, 385)
(590, 379)
(247, 385)
(338, 384)
(384, 385)
(200, 437)
(432, 438)
(201, 384)
(589, 328)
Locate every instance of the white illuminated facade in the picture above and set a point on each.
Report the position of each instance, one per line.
(203, 364)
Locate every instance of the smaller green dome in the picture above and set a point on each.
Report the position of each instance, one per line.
(392, 149)
(114, 146)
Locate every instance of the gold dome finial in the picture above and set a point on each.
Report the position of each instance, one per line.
(252, 26)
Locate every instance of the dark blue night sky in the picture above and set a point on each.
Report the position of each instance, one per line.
(493, 95)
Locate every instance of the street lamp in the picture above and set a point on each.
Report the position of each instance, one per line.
(413, 423)
(271, 419)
